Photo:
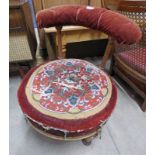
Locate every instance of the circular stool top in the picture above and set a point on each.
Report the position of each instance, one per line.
(67, 94)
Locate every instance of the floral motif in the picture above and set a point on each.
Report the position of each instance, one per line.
(73, 100)
(67, 84)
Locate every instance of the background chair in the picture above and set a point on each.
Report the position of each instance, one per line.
(130, 60)
(22, 40)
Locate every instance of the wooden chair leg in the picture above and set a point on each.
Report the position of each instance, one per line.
(59, 37)
(21, 72)
(24, 69)
(108, 52)
(111, 70)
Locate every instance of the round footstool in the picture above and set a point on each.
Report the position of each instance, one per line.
(67, 99)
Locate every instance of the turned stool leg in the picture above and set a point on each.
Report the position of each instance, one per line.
(87, 141)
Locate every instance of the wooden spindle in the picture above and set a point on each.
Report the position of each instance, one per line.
(59, 53)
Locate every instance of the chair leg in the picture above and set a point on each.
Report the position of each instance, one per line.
(111, 70)
(108, 52)
(59, 37)
(21, 72)
(23, 69)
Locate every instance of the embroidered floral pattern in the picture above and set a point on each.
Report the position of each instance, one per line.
(69, 85)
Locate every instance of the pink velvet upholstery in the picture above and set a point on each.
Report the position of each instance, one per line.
(114, 24)
(136, 59)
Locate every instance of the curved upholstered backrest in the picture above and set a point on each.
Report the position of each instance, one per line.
(114, 24)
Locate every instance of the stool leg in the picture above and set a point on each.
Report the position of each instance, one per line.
(87, 141)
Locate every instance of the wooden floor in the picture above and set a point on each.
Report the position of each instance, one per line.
(123, 134)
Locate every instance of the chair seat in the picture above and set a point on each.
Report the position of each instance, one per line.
(136, 59)
(67, 95)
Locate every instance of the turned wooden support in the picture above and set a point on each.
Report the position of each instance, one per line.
(87, 141)
(108, 52)
(59, 54)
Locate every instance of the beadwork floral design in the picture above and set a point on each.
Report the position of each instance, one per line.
(69, 85)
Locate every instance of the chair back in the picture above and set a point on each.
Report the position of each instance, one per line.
(135, 10)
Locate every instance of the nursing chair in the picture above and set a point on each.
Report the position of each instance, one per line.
(71, 99)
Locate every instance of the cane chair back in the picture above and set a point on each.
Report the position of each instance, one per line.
(135, 10)
(130, 60)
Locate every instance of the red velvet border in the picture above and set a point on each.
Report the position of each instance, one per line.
(62, 134)
(70, 125)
